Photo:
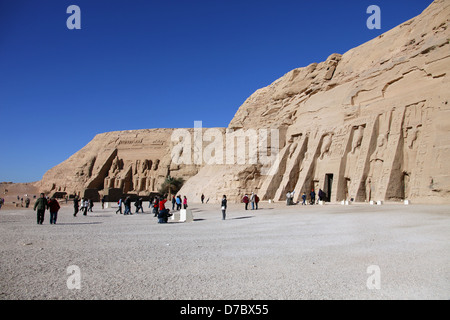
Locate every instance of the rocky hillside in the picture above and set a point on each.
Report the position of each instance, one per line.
(370, 124)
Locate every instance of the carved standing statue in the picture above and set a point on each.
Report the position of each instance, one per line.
(326, 144)
(368, 189)
(376, 163)
(357, 138)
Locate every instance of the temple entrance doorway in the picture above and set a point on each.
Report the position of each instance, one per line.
(328, 183)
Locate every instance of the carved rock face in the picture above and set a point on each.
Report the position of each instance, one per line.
(371, 123)
(391, 92)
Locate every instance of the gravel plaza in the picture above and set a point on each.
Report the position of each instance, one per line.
(278, 252)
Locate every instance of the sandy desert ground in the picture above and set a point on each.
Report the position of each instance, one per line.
(274, 253)
(10, 192)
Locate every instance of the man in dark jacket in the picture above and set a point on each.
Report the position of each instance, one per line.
(321, 195)
(53, 206)
(76, 201)
(224, 207)
(41, 204)
(313, 196)
(163, 215)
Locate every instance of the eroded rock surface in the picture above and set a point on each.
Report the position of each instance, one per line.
(370, 124)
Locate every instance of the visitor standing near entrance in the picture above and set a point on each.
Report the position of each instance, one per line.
(174, 202)
(245, 200)
(178, 200)
(185, 202)
(313, 196)
(321, 195)
(256, 201)
(40, 205)
(252, 200)
(224, 207)
(304, 199)
(53, 207)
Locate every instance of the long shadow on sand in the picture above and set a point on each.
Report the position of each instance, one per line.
(75, 223)
(244, 217)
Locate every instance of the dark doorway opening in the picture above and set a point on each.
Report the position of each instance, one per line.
(328, 185)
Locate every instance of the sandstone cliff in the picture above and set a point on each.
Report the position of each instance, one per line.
(370, 124)
(129, 162)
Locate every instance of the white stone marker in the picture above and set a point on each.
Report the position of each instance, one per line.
(186, 215)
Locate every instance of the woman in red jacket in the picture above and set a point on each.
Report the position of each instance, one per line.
(185, 202)
(161, 204)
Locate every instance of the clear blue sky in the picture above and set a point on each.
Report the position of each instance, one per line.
(148, 64)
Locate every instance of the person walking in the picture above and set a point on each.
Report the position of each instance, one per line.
(174, 202)
(150, 203)
(127, 204)
(224, 207)
(85, 206)
(81, 205)
(202, 197)
(185, 202)
(53, 207)
(76, 202)
(27, 202)
(120, 206)
(91, 205)
(304, 199)
(103, 202)
(39, 206)
(138, 205)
